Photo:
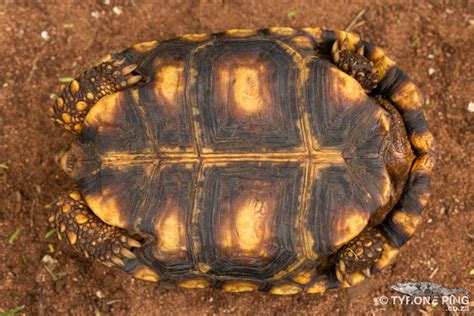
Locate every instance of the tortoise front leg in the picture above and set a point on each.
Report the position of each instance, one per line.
(90, 236)
(82, 93)
(87, 234)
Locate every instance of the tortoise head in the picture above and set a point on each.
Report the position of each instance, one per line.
(77, 160)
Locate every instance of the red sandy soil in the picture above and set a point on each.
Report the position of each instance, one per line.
(432, 40)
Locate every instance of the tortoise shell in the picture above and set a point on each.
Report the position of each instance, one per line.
(246, 159)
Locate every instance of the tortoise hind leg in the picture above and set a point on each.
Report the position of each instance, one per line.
(82, 93)
(88, 235)
(350, 58)
(75, 222)
(356, 259)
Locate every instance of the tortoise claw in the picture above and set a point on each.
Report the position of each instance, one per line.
(128, 69)
(133, 243)
(127, 253)
(118, 62)
(118, 261)
(134, 79)
(366, 272)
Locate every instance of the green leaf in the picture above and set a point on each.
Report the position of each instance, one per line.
(292, 14)
(13, 311)
(416, 42)
(49, 233)
(61, 274)
(65, 79)
(15, 235)
(25, 260)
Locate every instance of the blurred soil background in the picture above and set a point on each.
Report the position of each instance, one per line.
(45, 42)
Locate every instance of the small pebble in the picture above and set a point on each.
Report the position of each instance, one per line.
(431, 56)
(106, 2)
(427, 101)
(431, 71)
(99, 294)
(430, 220)
(45, 35)
(49, 261)
(470, 107)
(95, 14)
(376, 301)
(117, 10)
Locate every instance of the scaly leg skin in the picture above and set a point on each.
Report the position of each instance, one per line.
(357, 259)
(87, 234)
(82, 93)
(354, 63)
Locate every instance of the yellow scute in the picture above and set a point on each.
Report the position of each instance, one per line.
(170, 83)
(145, 273)
(106, 206)
(104, 111)
(247, 90)
(350, 226)
(237, 286)
(194, 284)
(170, 230)
(248, 228)
(347, 87)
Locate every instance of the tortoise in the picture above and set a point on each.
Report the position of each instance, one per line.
(279, 160)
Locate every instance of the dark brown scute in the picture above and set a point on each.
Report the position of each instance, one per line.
(170, 194)
(120, 130)
(145, 193)
(231, 193)
(335, 196)
(121, 184)
(168, 121)
(224, 128)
